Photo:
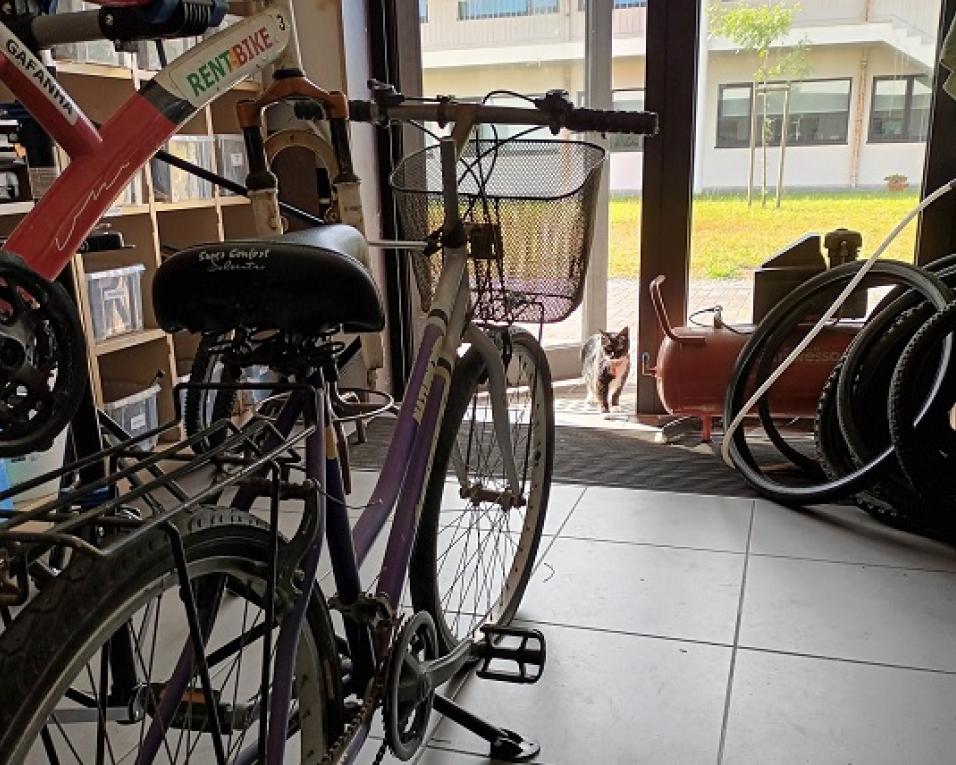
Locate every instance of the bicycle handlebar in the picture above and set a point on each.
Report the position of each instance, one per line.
(611, 121)
(548, 112)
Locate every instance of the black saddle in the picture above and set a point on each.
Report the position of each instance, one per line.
(309, 281)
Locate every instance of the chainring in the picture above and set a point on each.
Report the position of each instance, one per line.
(42, 359)
(406, 719)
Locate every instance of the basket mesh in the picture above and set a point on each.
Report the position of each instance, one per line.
(541, 194)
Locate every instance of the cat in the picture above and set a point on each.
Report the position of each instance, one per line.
(605, 364)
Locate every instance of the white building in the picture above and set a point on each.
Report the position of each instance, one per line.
(859, 114)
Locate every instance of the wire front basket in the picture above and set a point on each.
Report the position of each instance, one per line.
(537, 196)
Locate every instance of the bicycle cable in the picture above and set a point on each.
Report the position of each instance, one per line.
(762, 389)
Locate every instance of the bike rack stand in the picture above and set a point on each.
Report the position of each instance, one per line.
(506, 745)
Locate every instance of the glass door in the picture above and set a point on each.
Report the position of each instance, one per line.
(500, 50)
(796, 139)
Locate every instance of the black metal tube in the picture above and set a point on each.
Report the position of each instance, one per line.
(198, 638)
(481, 728)
(338, 129)
(255, 150)
(82, 26)
(228, 185)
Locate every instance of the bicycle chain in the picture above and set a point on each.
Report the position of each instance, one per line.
(370, 703)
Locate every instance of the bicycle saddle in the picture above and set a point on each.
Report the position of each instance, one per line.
(309, 281)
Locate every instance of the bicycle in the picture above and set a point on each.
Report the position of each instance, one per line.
(259, 658)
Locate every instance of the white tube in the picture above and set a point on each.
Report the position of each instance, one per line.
(830, 312)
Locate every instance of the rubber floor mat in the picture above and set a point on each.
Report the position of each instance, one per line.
(608, 457)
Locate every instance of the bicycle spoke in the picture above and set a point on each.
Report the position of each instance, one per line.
(66, 738)
(235, 690)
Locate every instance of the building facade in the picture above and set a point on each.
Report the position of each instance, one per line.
(857, 113)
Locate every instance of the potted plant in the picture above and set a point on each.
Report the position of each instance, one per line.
(896, 182)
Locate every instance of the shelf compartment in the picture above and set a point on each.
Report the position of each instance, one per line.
(16, 208)
(129, 340)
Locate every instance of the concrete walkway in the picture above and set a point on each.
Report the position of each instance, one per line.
(734, 295)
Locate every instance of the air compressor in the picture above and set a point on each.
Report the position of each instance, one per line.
(694, 363)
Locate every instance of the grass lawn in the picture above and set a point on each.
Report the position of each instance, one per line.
(729, 239)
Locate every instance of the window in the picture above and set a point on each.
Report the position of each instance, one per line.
(582, 4)
(627, 100)
(422, 11)
(733, 115)
(819, 113)
(501, 132)
(493, 9)
(899, 110)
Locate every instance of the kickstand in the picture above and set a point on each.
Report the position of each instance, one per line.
(506, 745)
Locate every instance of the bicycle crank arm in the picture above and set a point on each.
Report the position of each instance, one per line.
(439, 671)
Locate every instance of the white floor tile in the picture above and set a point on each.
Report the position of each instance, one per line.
(608, 699)
(662, 518)
(788, 709)
(687, 594)
(873, 614)
(842, 533)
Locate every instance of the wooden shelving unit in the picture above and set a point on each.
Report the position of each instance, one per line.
(149, 226)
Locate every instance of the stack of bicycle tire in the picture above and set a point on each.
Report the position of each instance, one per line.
(883, 435)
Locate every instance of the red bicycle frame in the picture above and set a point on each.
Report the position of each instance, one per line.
(102, 162)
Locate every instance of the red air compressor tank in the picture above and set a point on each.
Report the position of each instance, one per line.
(694, 365)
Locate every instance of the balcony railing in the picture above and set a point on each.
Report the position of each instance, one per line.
(453, 24)
(458, 24)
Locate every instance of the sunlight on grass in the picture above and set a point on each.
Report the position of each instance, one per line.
(729, 239)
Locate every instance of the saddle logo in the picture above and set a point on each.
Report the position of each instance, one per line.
(206, 75)
(236, 259)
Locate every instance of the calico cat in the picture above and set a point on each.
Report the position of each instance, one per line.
(605, 364)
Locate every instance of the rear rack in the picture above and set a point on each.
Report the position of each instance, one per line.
(251, 451)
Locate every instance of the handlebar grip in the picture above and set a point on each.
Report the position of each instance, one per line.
(360, 111)
(606, 121)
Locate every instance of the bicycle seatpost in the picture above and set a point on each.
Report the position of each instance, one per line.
(453, 232)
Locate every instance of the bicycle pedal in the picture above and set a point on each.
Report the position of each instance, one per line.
(193, 713)
(523, 648)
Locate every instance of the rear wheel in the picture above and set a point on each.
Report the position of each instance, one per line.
(204, 406)
(477, 543)
(86, 663)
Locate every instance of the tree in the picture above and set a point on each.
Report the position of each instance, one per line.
(758, 30)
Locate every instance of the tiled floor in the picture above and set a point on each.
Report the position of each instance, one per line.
(693, 629)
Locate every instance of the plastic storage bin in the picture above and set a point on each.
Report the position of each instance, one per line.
(231, 159)
(22, 469)
(133, 193)
(116, 300)
(170, 184)
(134, 408)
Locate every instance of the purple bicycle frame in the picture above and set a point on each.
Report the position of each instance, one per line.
(401, 482)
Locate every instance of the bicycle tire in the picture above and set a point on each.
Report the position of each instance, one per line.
(429, 586)
(898, 319)
(861, 402)
(921, 434)
(72, 618)
(834, 456)
(938, 266)
(778, 323)
(219, 403)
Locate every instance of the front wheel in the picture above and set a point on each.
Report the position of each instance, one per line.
(477, 541)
